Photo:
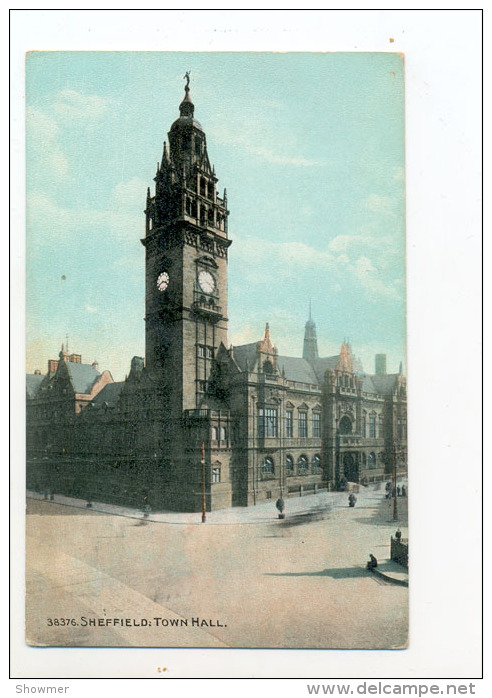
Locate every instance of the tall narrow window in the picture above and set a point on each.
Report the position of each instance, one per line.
(316, 464)
(372, 427)
(267, 422)
(380, 426)
(289, 424)
(302, 425)
(215, 474)
(317, 425)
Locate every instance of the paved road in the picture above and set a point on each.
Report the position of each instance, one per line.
(255, 582)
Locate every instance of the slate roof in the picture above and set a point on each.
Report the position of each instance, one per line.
(321, 366)
(33, 381)
(109, 394)
(297, 369)
(83, 376)
(245, 353)
(385, 384)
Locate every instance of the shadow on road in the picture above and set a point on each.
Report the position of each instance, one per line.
(334, 572)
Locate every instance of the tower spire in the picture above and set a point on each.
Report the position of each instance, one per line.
(310, 350)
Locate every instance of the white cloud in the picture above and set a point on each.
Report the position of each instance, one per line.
(123, 218)
(378, 203)
(342, 262)
(75, 105)
(283, 148)
(43, 147)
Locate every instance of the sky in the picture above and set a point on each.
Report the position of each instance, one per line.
(311, 149)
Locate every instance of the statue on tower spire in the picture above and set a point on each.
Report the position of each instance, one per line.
(186, 77)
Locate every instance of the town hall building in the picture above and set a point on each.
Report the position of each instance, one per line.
(198, 420)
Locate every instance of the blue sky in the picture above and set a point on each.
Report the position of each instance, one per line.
(311, 150)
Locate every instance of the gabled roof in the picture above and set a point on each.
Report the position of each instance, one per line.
(109, 394)
(385, 384)
(321, 366)
(368, 385)
(33, 382)
(245, 353)
(297, 369)
(83, 376)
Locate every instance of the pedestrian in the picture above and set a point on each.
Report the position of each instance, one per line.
(398, 535)
(403, 491)
(372, 562)
(398, 491)
(280, 504)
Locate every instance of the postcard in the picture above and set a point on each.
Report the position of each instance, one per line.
(216, 392)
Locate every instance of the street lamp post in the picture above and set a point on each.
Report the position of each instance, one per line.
(204, 499)
(395, 506)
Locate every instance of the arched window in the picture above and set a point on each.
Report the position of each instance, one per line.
(372, 460)
(345, 425)
(316, 463)
(214, 433)
(268, 468)
(222, 434)
(267, 366)
(302, 465)
(289, 465)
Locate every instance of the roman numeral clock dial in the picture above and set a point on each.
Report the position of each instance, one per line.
(206, 282)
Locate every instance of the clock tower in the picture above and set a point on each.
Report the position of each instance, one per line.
(186, 245)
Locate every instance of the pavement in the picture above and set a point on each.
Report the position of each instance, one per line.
(256, 580)
(260, 513)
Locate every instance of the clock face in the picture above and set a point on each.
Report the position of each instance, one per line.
(163, 281)
(206, 281)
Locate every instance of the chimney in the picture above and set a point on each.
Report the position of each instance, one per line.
(52, 366)
(37, 372)
(75, 358)
(380, 364)
(95, 365)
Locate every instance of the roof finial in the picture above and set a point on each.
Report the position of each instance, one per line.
(310, 310)
(187, 108)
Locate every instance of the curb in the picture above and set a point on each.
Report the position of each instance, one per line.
(388, 578)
